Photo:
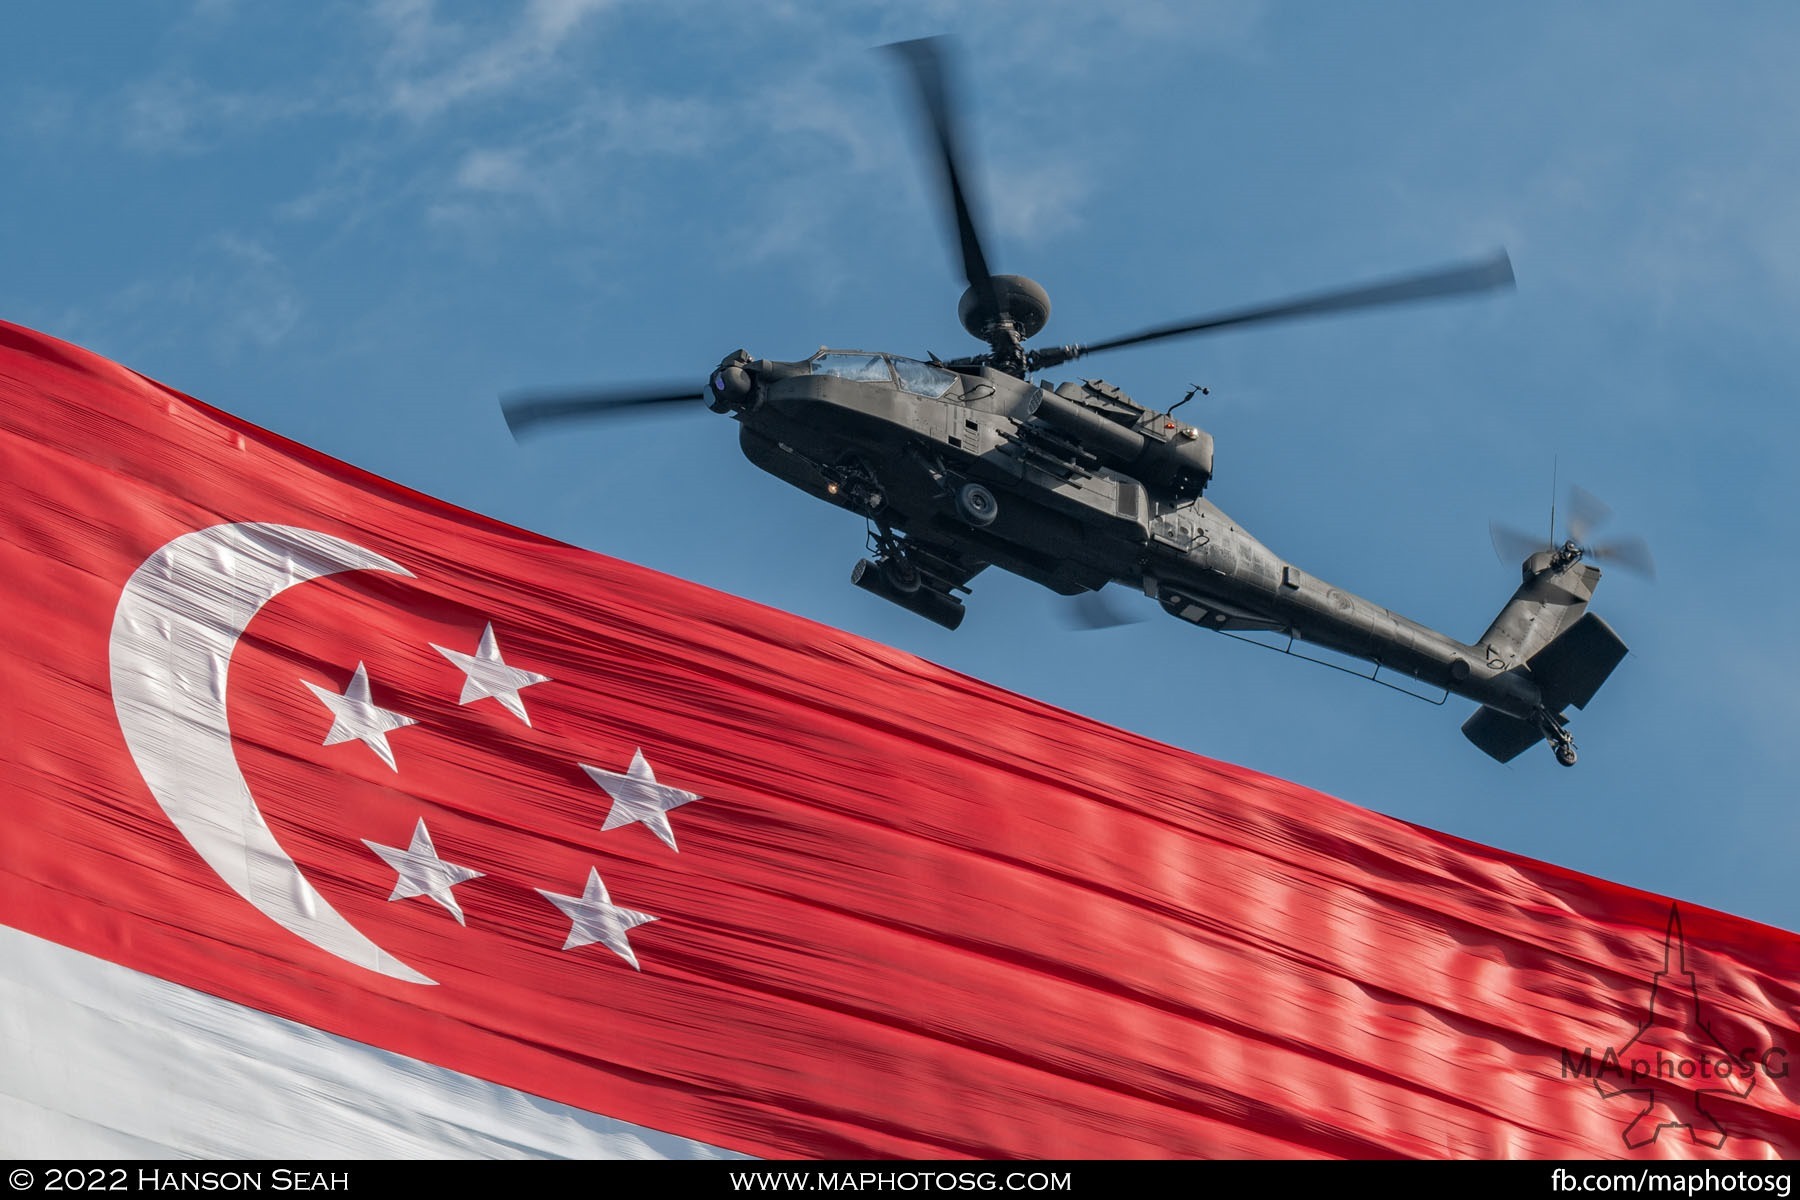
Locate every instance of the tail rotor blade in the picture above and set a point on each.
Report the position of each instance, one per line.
(1587, 512)
(1631, 553)
(1514, 546)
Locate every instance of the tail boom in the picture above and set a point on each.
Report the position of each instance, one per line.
(1542, 654)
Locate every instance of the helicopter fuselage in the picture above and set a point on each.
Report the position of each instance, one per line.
(962, 465)
(902, 443)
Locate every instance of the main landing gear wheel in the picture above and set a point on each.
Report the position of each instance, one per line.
(1565, 754)
(976, 505)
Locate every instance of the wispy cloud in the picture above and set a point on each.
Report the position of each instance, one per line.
(259, 303)
(503, 171)
(482, 121)
(235, 287)
(432, 64)
(180, 115)
(417, 66)
(571, 168)
(1041, 199)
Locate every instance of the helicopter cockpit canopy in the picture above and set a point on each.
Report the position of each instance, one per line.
(909, 374)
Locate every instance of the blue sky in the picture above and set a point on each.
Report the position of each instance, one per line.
(359, 224)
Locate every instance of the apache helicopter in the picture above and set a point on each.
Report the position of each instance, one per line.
(964, 464)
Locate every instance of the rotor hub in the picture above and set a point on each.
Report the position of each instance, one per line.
(1010, 299)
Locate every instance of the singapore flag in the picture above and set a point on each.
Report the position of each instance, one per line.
(339, 821)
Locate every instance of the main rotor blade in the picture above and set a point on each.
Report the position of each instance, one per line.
(1095, 610)
(529, 412)
(1482, 276)
(924, 57)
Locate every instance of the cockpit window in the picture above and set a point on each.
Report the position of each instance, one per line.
(868, 368)
(923, 379)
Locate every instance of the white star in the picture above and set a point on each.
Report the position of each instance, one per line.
(359, 718)
(423, 873)
(594, 917)
(488, 675)
(638, 797)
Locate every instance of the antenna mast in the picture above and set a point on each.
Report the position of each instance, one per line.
(1553, 465)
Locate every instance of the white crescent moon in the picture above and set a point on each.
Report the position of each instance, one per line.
(179, 619)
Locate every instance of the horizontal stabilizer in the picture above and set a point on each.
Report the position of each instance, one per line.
(1500, 736)
(1572, 668)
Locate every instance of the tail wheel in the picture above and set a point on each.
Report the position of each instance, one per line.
(976, 505)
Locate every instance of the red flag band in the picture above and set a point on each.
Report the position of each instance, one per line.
(444, 830)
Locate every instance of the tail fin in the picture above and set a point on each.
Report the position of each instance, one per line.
(1551, 599)
(1546, 632)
